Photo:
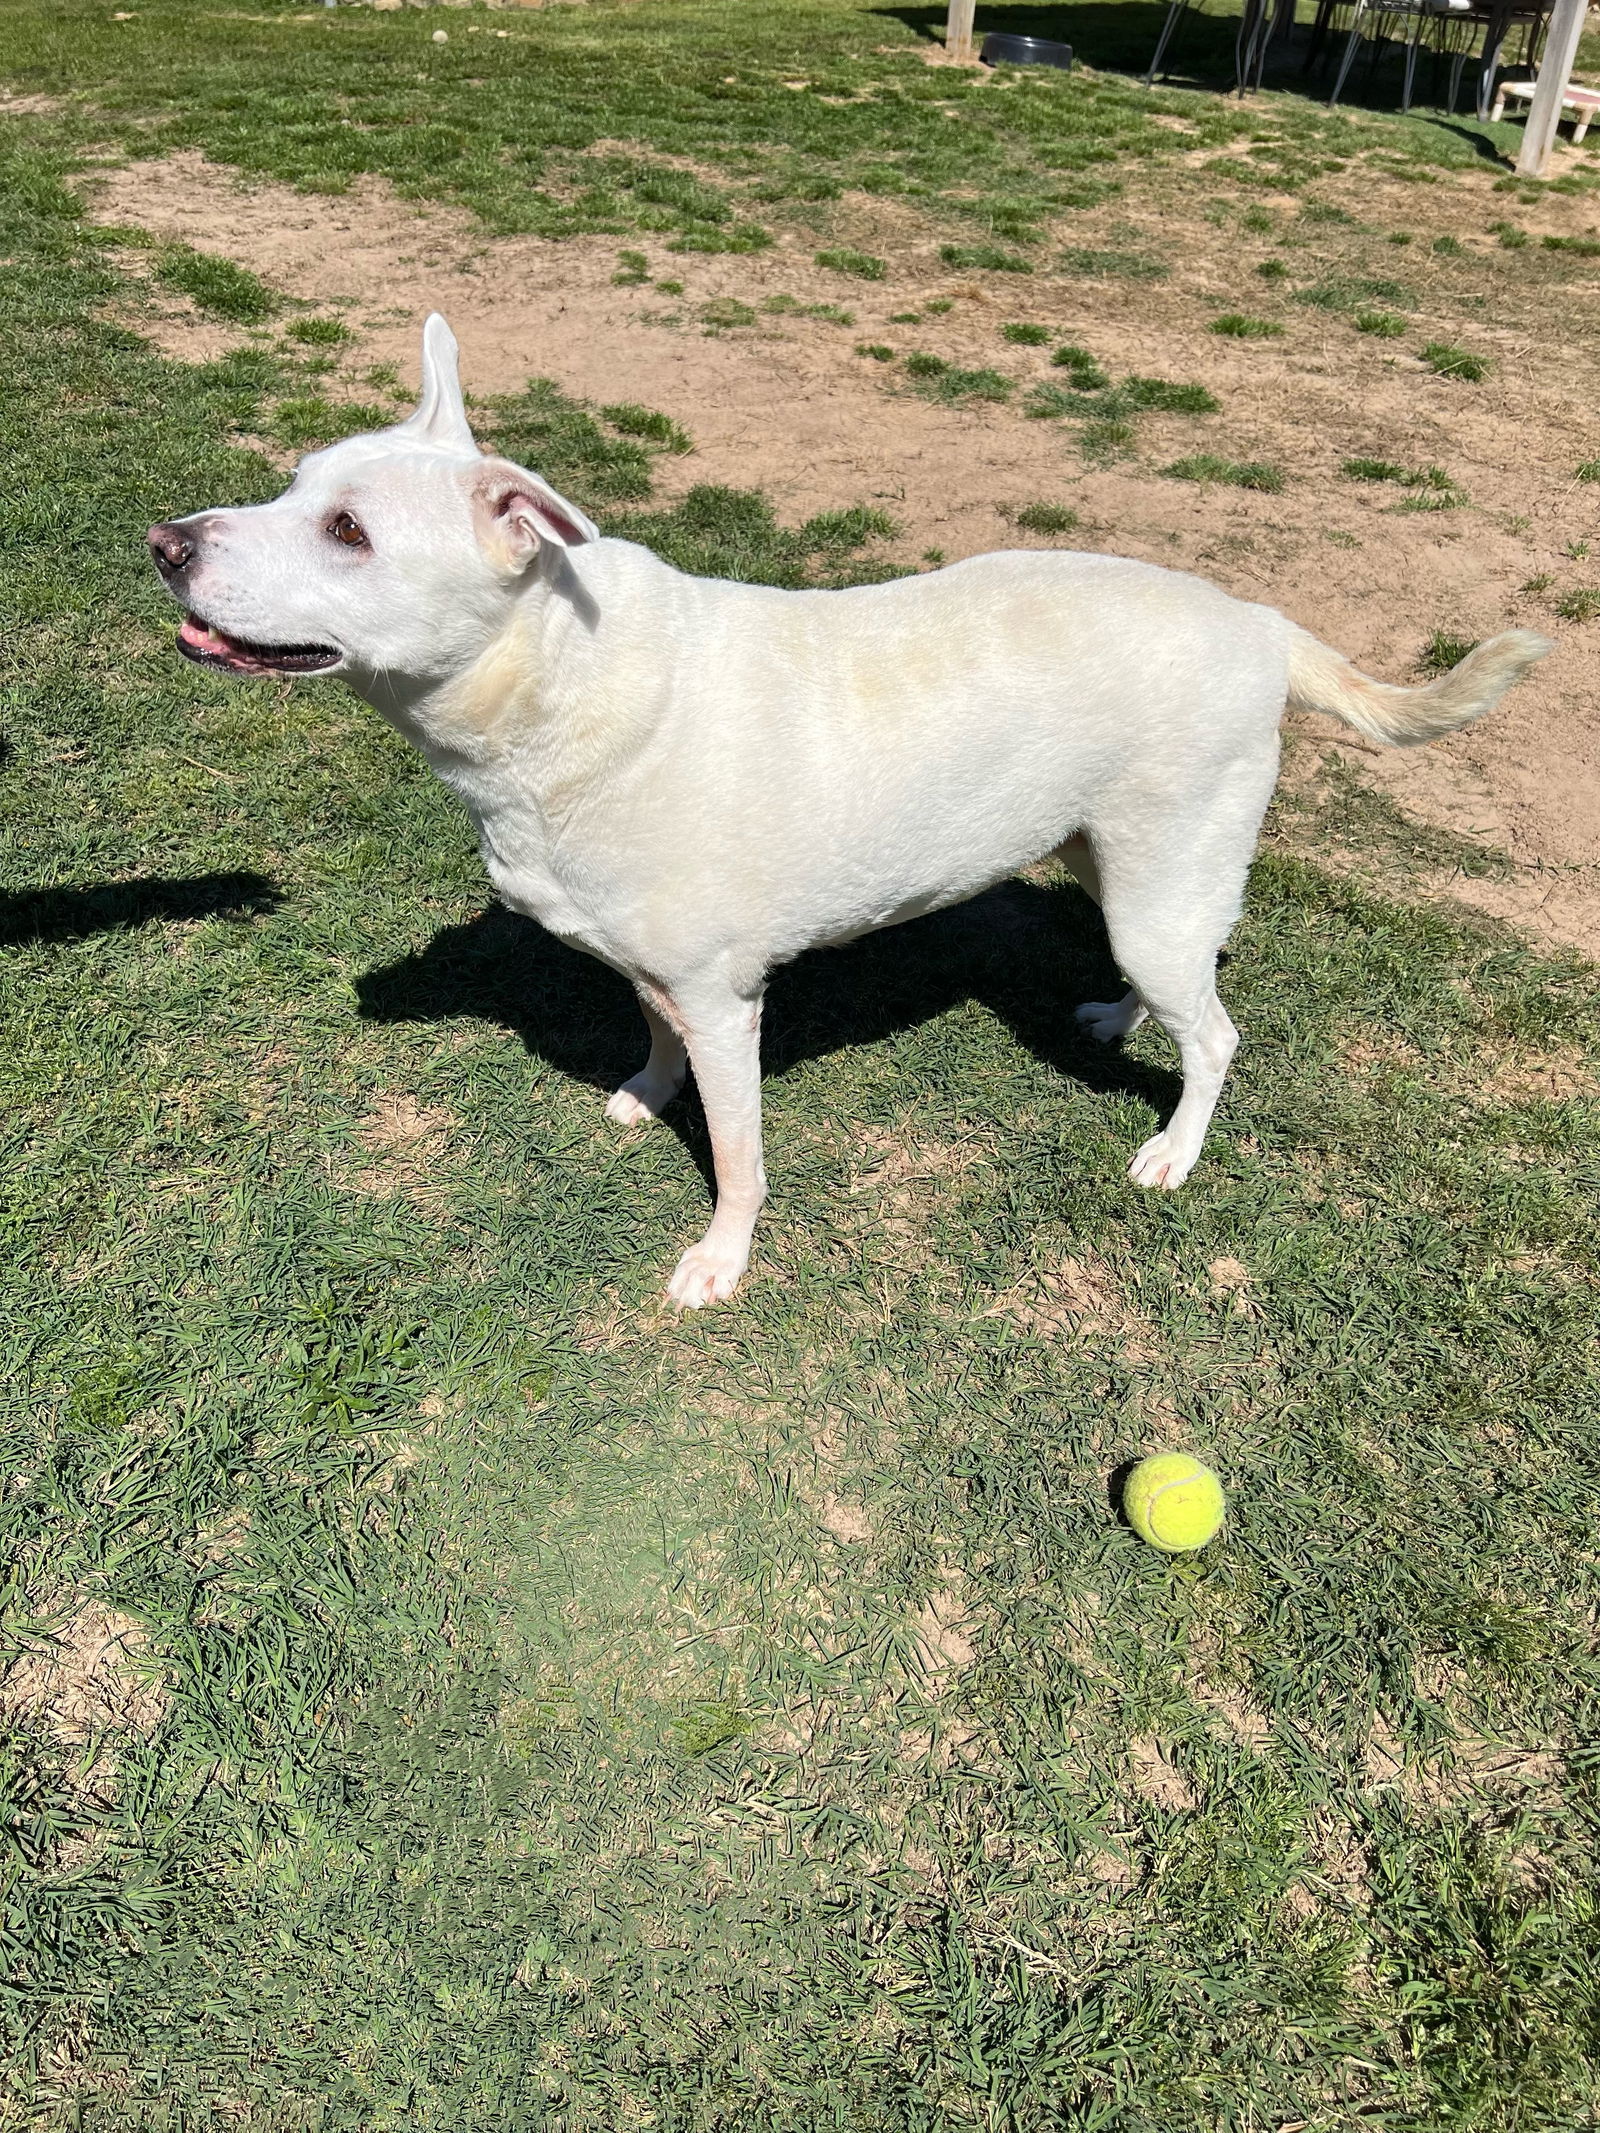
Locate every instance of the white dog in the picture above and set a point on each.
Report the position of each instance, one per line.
(696, 781)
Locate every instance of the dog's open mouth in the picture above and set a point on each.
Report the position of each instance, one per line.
(210, 647)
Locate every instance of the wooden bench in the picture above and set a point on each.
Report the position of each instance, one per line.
(1582, 103)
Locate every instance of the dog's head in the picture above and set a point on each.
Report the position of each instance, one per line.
(392, 555)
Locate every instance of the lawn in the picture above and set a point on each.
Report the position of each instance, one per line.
(439, 1689)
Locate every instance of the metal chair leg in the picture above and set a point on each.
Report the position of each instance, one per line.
(1494, 37)
(1167, 28)
(1351, 44)
(1250, 46)
(1319, 34)
(1411, 65)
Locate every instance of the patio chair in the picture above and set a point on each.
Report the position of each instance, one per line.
(1323, 26)
(1452, 29)
(1258, 25)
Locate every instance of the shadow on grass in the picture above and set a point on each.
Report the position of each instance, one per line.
(1119, 37)
(114, 906)
(1113, 36)
(1029, 953)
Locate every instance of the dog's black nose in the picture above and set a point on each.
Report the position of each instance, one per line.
(172, 548)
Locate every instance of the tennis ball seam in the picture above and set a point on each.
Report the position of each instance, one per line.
(1152, 1509)
(1200, 1503)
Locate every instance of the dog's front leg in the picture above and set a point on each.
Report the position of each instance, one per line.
(723, 1032)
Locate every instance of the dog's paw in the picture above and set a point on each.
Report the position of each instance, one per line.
(1106, 1020)
(708, 1273)
(1163, 1162)
(639, 1101)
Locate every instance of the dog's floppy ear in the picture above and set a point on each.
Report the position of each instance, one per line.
(441, 414)
(515, 513)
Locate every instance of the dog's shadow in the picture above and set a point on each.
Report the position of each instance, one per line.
(1029, 952)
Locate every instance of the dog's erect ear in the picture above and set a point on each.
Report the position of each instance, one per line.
(515, 513)
(441, 414)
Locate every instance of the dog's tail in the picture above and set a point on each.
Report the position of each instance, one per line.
(1321, 679)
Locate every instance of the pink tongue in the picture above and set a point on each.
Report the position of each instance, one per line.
(202, 636)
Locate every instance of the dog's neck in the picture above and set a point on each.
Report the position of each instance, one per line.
(476, 710)
(530, 715)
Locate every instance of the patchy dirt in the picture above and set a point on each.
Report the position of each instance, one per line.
(786, 404)
(92, 1677)
(409, 1143)
(944, 1639)
(1079, 1301)
(845, 1521)
(1159, 1780)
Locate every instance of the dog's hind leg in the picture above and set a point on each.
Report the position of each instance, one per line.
(647, 1095)
(1106, 1020)
(1206, 1042)
(1103, 1019)
(1172, 889)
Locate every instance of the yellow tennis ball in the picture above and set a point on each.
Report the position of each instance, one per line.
(1174, 1502)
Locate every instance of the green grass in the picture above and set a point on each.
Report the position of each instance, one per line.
(1108, 437)
(648, 424)
(1449, 361)
(1108, 413)
(1432, 488)
(319, 332)
(1444, 650)
(1163, 396)
(305, 424)
(1231, 473)
(790, 106)
(216, 286)
(1589, 470)
(1026, 335)
(1580, 605)
(1045, 402)
(791, 307)
(1372, 837)
(1087, 375)
(1354, 293)
(1045, 518)
(540, 1732)
(1122, 266)
(1382, 325)
(940, 380)
(863, 265)
(1238, 326)
(721, 314)
(990, 258)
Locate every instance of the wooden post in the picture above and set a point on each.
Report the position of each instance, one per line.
(958, 28)
(1544, 113)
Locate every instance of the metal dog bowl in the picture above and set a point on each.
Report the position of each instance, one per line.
(1001, 50)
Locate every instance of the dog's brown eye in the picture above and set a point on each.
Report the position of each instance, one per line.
(344, 528)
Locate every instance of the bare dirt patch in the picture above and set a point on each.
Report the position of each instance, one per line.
(785, 404)
(408, 1141)
(92, 1677)
(1158, 1779)
(944, 1638)
(1079, 1300)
